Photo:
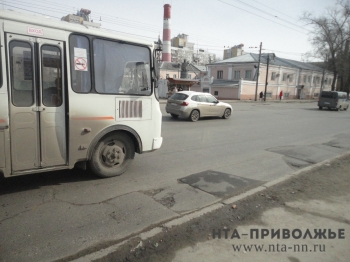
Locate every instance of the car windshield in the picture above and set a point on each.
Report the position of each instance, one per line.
(179, 96)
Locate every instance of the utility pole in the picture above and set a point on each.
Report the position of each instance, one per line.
(267, 72)
(257, 75)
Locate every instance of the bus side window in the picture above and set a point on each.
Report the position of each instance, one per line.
(22, 85)
(79, 47)
(121, 68)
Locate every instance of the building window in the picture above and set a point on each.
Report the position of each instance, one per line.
(273, 76)
(286, 95)
(216, 93)
(174, 76)
(291, 78)
(248, 74)
(268, 94)
(315, 94)
(205, 90)
(309, 79)
(304, 78)
(284, 77)
(167, 75)
(219, 75)
(237, 75)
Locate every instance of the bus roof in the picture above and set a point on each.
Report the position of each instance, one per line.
(45, 21)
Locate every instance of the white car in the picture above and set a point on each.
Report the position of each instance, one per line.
(194, 105)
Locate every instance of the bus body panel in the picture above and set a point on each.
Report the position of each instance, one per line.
(33, 134)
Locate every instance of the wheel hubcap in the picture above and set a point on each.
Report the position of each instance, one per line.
(227, 113)
(113, 154)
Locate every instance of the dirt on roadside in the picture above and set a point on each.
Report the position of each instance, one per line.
(321, 183)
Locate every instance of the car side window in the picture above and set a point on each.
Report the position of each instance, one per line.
(202, 99)
(211, 99)
(195, 98)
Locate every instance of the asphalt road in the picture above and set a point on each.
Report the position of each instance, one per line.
(66, 214)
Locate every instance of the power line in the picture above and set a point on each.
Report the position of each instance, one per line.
(268, 13)
(204, 40)
(113, 20)
(275, 10)
(29, 10)
(260, 16)
(124, 22)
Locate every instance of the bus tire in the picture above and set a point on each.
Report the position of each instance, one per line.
(112, 155)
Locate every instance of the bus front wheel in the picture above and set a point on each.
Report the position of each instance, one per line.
(112, 155)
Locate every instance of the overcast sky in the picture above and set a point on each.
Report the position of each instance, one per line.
(210, 24)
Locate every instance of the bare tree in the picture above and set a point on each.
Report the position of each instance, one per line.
(330, 35)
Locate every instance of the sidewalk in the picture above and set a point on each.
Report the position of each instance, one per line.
(301, 217)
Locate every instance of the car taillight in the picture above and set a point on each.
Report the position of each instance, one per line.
(184, 104)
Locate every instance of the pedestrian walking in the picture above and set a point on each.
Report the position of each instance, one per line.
(261, 95)
(281, 95)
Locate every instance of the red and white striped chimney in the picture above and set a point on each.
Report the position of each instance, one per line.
(166, 55)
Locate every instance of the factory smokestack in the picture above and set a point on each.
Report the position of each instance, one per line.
(166, 56)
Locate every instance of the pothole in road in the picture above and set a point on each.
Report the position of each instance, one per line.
(220, 184)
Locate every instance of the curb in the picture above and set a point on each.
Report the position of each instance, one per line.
(198, 213)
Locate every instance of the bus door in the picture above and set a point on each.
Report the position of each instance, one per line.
(37, 104)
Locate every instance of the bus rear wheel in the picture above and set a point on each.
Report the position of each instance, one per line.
(112, 155)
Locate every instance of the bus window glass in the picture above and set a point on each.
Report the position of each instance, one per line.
(80, 63)
(121, 68)
(51, 75)
(21, 66)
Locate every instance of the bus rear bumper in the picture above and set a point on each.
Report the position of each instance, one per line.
(157, 143)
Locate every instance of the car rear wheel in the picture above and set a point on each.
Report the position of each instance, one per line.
(174, 116)
(227, 113)
(320, 107)
(112, 155)
(346, 108)
(194, 116)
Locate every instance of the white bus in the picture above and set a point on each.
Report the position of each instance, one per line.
(74, 95)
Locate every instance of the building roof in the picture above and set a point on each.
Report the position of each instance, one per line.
(200, 68)
(278, 61)
(246, 58)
